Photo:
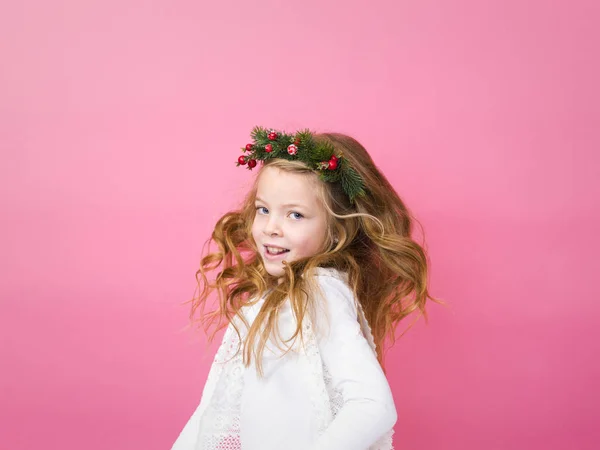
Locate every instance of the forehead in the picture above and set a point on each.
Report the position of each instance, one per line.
(281, 187)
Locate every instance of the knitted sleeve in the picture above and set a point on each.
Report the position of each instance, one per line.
(367, 411)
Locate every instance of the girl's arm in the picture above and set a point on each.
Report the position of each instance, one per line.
(368, 410)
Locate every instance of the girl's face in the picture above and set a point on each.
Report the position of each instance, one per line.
(290, 220)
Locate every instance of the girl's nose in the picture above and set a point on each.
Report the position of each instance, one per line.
(272, 228)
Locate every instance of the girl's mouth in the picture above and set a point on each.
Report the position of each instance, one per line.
(275, 252)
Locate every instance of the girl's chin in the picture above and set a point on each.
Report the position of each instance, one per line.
(274, 268)
(276, 273)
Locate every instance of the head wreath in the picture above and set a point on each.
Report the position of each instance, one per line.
(301, 146)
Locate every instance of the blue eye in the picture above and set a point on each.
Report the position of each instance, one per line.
(299, 216)
(258, 208)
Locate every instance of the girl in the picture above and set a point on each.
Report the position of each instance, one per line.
(313, 273)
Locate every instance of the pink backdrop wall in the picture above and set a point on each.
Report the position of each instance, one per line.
(119, 126)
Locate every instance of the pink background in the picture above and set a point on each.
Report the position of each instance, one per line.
(120, 122)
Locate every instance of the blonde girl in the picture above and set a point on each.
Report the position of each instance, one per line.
(312, 275)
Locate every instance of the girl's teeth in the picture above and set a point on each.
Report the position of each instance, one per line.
(275, 251)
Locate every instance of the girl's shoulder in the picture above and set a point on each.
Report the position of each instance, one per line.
(333, 285)
(335, 304)
(331, 272)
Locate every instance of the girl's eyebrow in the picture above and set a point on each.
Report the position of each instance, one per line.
(287, 205)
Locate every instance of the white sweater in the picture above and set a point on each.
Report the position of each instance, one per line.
(328, 395)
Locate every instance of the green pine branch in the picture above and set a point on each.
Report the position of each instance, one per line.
(309, 152)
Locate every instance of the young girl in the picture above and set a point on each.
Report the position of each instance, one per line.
(313, 273)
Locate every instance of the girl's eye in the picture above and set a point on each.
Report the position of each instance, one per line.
(258, 209)
(297, 215)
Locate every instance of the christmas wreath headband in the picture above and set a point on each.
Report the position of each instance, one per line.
(301, 146)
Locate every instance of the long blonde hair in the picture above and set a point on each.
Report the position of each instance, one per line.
(371, 240)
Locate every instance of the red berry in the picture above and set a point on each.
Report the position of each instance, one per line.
(268, 148)
(249, 147)
(335, 158)
(252, 163)
(272, 136)
(332, 164)
(297, 141)
(242, 160)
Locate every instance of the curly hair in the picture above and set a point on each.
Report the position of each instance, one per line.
(387, 269)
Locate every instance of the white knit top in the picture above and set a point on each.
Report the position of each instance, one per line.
(328, 394)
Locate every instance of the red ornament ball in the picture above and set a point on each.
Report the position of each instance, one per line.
(242, 160)
(333, 163)
(249, 147)
(272, 136)
(252, 163)
(268, 148)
